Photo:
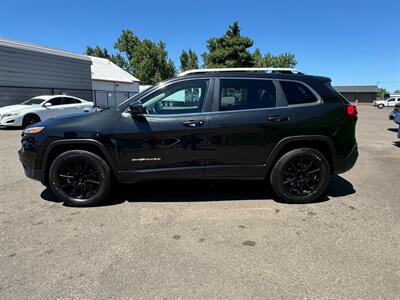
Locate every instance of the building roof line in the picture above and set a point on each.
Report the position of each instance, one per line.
(42, 49)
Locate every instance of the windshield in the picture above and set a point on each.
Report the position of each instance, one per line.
(33, 101)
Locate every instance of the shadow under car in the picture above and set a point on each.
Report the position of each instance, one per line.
(203, 190)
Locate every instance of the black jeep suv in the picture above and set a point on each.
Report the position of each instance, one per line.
(292, 130)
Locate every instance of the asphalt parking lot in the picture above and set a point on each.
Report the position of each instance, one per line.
(208, 239)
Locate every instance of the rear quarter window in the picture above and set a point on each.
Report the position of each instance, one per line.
(297, 93)
(247, 94)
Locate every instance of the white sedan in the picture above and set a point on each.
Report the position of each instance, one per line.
(41, 108)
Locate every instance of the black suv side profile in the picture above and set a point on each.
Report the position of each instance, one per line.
(292, 130)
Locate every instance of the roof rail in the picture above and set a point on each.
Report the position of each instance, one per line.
(265, 70)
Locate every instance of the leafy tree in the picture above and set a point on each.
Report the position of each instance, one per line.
(230, 50)
(189, 60)
(145, 59)
(397, 91)
(381, 93)
(127, 42)
(284, 60)
(117, 59)
(148, 61)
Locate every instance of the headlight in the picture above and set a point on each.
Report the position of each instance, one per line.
(12, 114)
(33, 130)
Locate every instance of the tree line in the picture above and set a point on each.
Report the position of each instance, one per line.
(149, 62)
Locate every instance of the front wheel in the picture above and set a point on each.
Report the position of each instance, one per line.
(380, 106)
(80, 178)
(300, 176)
(30, 120)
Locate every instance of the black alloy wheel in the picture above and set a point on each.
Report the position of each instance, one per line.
(300, 176)
(80, 178)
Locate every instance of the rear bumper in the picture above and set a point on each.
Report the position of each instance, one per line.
(28, 170)
(344, 164)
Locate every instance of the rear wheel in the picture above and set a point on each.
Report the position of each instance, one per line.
(30, 120)
(300, 176)
(80, 178)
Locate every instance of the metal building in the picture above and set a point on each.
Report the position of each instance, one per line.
(362, 93)
(28, 70)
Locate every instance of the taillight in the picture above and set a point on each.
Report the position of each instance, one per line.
(351, 110)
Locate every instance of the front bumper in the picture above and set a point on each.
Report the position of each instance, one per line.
(26, 160)
(344, 164)
(10, 121)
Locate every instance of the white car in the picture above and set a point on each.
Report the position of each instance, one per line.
(41, 108)
(388, 102)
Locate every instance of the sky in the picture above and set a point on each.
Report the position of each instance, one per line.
(355, 42)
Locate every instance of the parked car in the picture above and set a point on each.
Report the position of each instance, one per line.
(395, 110)
(41, 108)
(397, 121)
(291, 130)
(388, 102)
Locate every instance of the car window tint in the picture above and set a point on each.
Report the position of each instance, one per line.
(55, 101)
(67, 100)
(297, 93)
(179, 98)
(238, 94)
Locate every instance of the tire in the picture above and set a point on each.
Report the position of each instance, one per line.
(300, 176)
(80, 178)
(30, 120)
(380, 106)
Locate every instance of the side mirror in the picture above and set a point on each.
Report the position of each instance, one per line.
(136, 109)
(47, 104)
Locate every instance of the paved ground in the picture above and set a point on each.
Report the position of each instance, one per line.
(222, 240)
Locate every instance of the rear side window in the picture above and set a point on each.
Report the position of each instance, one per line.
(297, 93)
(70, 101)
(238, 94)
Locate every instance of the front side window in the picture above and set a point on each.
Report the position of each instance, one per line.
(55, 101)
(390, 100)
(239, 94)
(179, 98)
(297, 93)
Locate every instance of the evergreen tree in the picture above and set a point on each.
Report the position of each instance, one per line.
(230, 50)
(189, 60)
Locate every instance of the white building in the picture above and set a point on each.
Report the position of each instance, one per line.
(111, 84)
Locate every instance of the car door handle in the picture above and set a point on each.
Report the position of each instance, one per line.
(192, 123)
(278, 118)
